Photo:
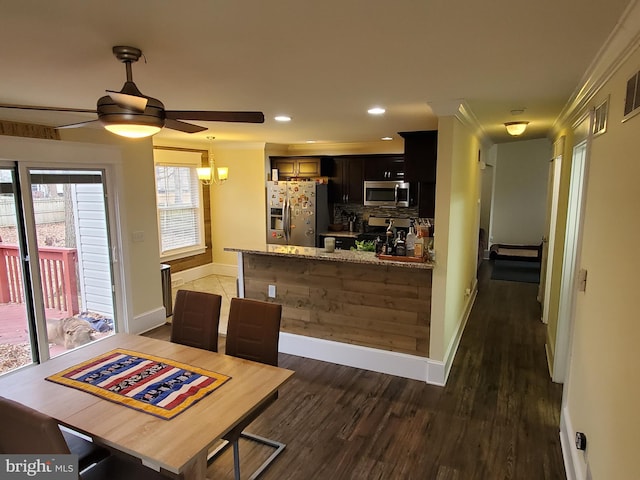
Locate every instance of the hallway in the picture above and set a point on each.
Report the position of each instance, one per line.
(497, 417)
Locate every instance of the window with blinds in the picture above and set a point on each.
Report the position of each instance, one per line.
(180, 220)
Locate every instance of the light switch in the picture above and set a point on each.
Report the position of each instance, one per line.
(138, 236)
(272, 291)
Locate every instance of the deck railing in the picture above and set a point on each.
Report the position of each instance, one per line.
(58, 267)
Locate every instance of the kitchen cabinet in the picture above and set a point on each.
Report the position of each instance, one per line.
(384, 167)
(420, 164)
(305, 167)
(346, 180)
(420, 155)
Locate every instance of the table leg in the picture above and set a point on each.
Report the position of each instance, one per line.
(196, 469)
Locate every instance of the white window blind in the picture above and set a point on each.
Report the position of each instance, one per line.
(179, 210)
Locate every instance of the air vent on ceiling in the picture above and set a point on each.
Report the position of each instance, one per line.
(600, 118)
(632, 99)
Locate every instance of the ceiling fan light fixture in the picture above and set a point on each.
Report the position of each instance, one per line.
(131, 130)
(516, 128)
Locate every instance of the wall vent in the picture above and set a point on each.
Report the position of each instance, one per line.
(600, 118)
(632, 98)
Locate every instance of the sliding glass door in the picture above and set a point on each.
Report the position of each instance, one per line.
(59, 293)
(17, 332)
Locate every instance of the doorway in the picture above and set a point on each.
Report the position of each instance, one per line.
(56, 278)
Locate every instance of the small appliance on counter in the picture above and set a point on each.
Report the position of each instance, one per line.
(296, 212)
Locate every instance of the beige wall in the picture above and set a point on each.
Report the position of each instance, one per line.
(456, 232)
(604, 380)
(138, 212)
(238, 207)
(520, 192)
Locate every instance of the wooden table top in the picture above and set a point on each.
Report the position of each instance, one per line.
(178, 445)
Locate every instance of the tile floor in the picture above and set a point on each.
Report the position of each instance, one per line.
(219, 284)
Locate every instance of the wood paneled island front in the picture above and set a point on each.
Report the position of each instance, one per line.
(347, 307)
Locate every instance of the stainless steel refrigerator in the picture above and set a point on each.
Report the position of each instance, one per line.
(297, 211)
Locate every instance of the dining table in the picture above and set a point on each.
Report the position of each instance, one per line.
(179, 445)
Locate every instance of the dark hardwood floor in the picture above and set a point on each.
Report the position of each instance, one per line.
(497, 417)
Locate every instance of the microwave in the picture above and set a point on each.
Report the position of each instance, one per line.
(387, 193)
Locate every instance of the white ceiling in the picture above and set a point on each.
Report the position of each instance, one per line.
(322, 62)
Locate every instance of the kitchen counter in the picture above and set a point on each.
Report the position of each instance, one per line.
(346, 256)
(346, 307)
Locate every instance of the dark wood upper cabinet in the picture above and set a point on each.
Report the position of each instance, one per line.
(420, 155)
(346, 180)
(384, 167)
(420, 166)
(291, 167)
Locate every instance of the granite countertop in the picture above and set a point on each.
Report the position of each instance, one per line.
(349, 256)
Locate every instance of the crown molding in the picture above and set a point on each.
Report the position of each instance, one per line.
(621, 43)
(460, 109)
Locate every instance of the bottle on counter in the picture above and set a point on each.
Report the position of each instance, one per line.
(389, 246)
(401, 245)
(410, 242)
(419, 247)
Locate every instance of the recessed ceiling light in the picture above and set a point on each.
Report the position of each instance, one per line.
(376, 111)
(282, 118)
(386, 138)
(311, 141)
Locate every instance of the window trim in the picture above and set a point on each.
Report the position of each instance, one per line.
(186, 253)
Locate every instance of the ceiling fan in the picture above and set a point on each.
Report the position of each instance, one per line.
(132, 114)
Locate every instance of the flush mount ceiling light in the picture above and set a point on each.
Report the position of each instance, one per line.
(282, 118)
(376, 111)
(386, 139)
(516, 128)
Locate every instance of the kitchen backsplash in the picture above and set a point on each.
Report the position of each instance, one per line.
(341, 213)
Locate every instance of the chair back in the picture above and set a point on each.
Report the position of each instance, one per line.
(253, 330)
(196, 316)
(27, 431)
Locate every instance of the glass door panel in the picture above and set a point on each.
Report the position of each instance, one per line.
(74, 256)
(16, 332)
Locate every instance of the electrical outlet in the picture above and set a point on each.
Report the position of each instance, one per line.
(138, 236)
(272, 291)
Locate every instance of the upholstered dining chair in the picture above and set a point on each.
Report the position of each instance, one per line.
(196, 316)
(253, 333)
(20, 427)
(27, 431)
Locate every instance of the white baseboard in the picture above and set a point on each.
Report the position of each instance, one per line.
(224, 269)
(195, 273)
(147, 321)
(455, 341)
(575, 464)
(382, 361)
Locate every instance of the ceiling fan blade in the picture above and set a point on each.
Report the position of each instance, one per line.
(182, 126)
(132, 102)
(212, 116)
(47, 109)
(76, 125)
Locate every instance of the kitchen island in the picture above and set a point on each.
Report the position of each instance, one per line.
(346, 307)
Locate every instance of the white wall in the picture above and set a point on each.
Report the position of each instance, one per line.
(520, 192)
